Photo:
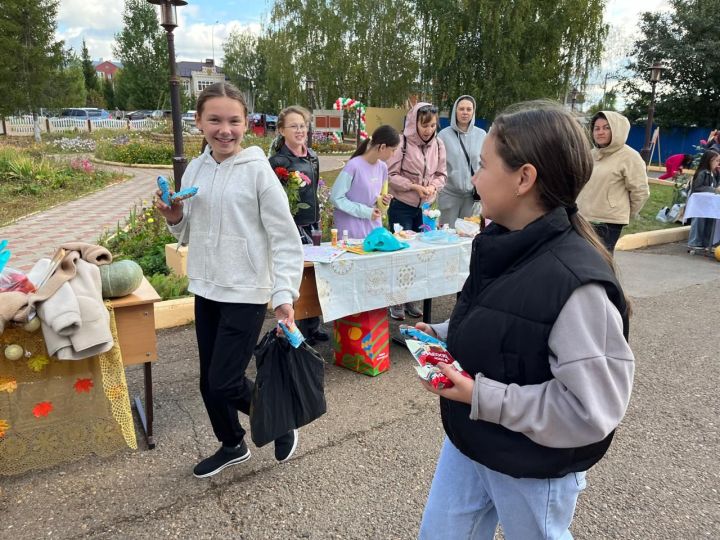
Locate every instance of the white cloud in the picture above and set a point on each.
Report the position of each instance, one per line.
(98, 21)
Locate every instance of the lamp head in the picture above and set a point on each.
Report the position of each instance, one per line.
(310, 84)
(168, 13)
(655, 71)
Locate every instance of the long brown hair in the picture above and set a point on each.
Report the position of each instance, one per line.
(219, 89)
(545, 135)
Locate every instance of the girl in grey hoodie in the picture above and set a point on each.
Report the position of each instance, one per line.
(463, 142)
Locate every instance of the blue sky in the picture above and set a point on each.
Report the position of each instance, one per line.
(204, 24)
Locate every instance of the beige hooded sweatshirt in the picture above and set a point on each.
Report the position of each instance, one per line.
(618, 187)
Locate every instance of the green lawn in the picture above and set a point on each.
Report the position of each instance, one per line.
(659, 196)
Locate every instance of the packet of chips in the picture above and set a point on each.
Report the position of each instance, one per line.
(428, 356)
(292, 333)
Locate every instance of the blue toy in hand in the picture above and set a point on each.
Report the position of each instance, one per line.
(168, 199)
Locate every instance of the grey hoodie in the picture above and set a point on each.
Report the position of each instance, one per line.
(458, 172)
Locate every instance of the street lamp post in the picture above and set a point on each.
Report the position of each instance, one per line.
(310, 88)
(655, 72)
(168, 20)
(361, 96)
(573, 97)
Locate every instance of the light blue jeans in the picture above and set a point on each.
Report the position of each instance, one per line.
(467, 500)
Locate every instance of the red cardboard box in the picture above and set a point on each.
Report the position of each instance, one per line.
(362, 342)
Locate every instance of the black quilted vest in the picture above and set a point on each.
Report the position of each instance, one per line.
(519, 282)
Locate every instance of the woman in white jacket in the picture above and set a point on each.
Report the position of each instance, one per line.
(243, 252)
(463, 143)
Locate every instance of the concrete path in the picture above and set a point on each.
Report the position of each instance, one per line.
(363, 470)
(85, 219)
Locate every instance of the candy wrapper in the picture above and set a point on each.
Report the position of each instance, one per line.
(14, 280)
(428, 356)
(411, 332)
(292, 333)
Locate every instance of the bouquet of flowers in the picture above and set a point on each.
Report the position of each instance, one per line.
(291, 182)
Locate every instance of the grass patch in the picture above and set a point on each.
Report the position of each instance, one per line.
(660, 196)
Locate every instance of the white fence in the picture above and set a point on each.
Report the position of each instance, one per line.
(24, 126)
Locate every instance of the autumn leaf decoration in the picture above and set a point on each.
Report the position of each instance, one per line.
(42, 409)
(4, 426)
(83, 385)
(38, 363)
(8, 384)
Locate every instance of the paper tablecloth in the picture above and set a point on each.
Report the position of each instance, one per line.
(357, 283)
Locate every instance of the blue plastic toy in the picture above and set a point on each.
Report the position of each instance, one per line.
(414, 333)
(168, 199)
(293, 335)
(4, 254)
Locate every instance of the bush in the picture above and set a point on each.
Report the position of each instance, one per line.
(135, 149)
(142, 239)
(170, 286)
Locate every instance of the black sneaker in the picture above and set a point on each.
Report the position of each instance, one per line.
(225, 457)
(286, 445)
(320, 335)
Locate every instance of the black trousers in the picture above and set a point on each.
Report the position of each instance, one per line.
(609, 234)
(409, 217)
(226, 335)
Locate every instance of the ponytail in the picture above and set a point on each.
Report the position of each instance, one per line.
(585, 230)
(385, 134)
(362, 148)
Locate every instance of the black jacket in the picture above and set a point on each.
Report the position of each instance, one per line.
(309, 165)
(704, 182)
(519, 282)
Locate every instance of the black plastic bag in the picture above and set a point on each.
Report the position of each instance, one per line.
(289, 388)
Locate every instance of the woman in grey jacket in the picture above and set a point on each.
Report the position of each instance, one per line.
(463, 142)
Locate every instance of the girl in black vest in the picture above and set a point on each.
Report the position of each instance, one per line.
(541, 326)
(290, 150)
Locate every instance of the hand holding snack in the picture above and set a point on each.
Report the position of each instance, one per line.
(460, 387)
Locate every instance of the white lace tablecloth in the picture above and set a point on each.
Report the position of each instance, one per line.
(356, 283)
(704, 205)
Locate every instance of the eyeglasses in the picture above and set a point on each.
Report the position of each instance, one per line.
(295, 127)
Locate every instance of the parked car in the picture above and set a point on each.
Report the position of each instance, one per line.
(271, 121)
(189, 116)
(85, 113)
(145, 113)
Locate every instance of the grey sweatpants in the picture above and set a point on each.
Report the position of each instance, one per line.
(453, 207)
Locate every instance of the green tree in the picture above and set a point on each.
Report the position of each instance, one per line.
(142, 48)
(109, 94)
(89, 73)
(68, 88)
(243, 62)
(345, 52)
(686, 40)
(503, 52)
(30, 58)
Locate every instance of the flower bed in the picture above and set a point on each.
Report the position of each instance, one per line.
(30, 182)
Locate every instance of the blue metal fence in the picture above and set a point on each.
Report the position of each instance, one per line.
(672, 140)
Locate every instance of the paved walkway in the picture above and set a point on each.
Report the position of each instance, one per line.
(85, 219)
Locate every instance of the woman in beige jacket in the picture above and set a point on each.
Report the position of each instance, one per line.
(618, 187)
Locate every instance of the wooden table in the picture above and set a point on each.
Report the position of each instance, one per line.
(308, 304)
(135, 320)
